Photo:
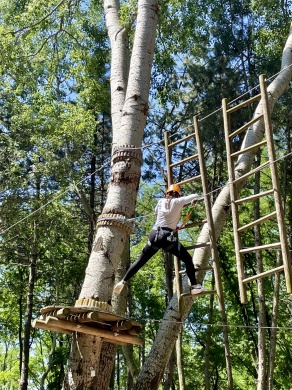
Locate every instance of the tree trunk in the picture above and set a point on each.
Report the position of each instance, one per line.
(180, 370)
(209, 340)
(274, 330)
(23, 383)
(91, 360)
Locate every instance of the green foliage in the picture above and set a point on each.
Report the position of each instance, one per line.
(54, 123)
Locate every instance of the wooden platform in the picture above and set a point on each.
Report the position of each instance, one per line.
(90, 319)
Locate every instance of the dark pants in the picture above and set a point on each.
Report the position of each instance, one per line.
(157, 242)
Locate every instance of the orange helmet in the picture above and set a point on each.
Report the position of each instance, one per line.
(174, 188)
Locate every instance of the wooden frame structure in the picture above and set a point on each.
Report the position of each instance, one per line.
(202, 178)
(90, 317)
(275, 192)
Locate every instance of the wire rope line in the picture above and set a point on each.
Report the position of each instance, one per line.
(152, 320)
(141, 148)
(245, 93)
(227, 183)
(54, 198)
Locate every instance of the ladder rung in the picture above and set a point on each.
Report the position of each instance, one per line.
(245, 103)
(200, 245)
(206, 292)
(241, 129)
(264, 165)
(235, 154)
(252, 197)
(257, 222)
(263, 274)
(181, 140)
(183, 271)
(184, 160)
(261, 247)
(193, 224)
(189, 180)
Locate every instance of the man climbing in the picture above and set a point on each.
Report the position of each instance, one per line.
(162, 236)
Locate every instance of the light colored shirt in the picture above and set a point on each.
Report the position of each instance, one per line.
(168, 210)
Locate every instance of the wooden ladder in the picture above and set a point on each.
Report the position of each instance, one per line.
(202, 179)
(275, 192)
(212, 239)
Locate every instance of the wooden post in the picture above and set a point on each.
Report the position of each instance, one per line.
(214, 250)
(168, 159)
(234, 207)
(276, 185)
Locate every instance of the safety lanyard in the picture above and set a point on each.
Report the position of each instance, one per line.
(187, 217)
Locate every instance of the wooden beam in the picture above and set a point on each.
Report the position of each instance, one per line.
(243, 104)
(189, 180)
(241, 129)
(181, 140)
(253, 197)
(248, 149)
(264, 274)
(257, 222)
(86, 329)
(261, 247)
(41, 324)
(264, 165)
(193, 157)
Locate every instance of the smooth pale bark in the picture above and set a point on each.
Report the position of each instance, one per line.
(153, 368)
(91, 360)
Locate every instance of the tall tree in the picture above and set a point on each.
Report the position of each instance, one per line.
(130, 82)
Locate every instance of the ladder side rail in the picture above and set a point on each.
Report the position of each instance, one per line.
(214, 250)
(234, 206)
(168, 159)
(178, 283)
(276, 185)
(178, 278)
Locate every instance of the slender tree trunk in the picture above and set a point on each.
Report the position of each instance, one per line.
(23, 383)
(209, 340)
(91, 360)
(273, 337)
(179, 360)
(261, 385)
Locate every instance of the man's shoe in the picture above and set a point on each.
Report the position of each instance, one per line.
(197, 289)
(119, 287)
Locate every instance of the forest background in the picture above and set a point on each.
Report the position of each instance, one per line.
(55, 154)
